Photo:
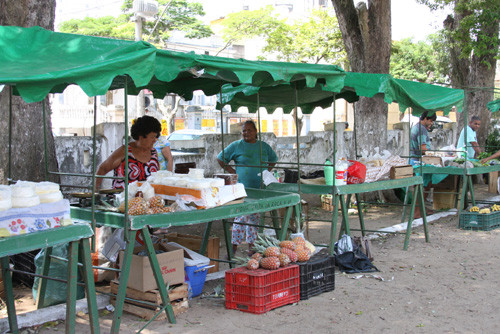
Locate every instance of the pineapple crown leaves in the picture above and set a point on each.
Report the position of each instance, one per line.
(241, 261)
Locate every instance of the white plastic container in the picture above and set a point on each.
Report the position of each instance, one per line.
(341, 172)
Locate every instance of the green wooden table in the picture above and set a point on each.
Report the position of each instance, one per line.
(356, 189)
(467, 186)
(257, 201)
(77, 236)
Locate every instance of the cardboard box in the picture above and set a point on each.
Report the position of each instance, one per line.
(449, 183)
(193, 242)
(399, 172)
(445, 199)
(428, 159)
(171, 264)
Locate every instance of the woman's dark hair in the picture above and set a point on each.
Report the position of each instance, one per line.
(250, 122)
(145, 125)
(425, 115)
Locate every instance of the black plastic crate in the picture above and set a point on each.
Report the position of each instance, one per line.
(317, 276)
(24, 262)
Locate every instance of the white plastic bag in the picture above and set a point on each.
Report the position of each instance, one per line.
(268, 178)
(344, 244)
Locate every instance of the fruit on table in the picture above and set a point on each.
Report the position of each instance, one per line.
(284, 260)
(474, 209)
(495, 207)
(485, 210)
(303, 255)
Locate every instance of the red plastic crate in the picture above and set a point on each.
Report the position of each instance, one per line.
(261, 290)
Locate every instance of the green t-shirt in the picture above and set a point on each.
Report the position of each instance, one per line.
(243, 153)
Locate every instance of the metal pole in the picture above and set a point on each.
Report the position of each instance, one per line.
(260, 140)
(140, 97)
(297, 130)
(94, 161)
(9, 169)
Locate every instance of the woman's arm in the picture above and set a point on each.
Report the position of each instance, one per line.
(225, 167)
(168, 156)
(109, 164)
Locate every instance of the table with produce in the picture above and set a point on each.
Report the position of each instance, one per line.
(443, 165)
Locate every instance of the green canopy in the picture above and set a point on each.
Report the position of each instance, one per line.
(493, 105)
(417, 95)
(37, 62)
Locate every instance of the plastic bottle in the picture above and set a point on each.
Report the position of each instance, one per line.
(277, 176)
(341, 172)
(328, 169)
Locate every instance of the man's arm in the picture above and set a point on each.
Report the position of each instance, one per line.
(476, 148)
(491, 157)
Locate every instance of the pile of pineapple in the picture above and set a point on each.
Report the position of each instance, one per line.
(139, 206)
(271, 254)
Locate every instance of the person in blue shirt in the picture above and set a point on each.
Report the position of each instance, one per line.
(419, 136)
(246, 152)
(473, 149)
(165, 160)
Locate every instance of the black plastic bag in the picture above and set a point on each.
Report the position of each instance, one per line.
(354, 262)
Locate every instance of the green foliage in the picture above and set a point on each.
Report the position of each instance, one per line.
(473, 35)
(181, 15)
(312, 40)
(493, 139)
(422, 61)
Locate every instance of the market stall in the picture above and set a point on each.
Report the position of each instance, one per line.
(418, 96)
(99, 64)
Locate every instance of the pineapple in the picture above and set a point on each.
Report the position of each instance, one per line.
(284, 260)
(290, 253)
(138, 209)
(253, 264)
(158, 209)
(257, 256)
(155, 201)
(299, 248)
(271, 262)
(299, 241)
(272, 251)
(303, 255)
(131, 202)
(287, 244)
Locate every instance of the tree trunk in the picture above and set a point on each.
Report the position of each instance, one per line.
(28, 150)
(366, 32)
(475, 74)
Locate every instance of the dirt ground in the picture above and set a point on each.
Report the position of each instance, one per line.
(449, 285)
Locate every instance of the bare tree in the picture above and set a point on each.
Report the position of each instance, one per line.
(28, 152)
(366, 31)
(169, 110)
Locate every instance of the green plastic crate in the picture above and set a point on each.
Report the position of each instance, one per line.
(479, 221)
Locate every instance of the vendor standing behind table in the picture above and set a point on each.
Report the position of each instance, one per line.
(162, 147)
(246, 151)
(142, 157)
(473, 149)
(419, 136)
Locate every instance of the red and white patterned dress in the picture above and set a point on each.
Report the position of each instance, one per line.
(137, 170)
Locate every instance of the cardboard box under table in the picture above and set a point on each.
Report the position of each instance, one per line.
(193, 242)
(195, 268)
(171, 263)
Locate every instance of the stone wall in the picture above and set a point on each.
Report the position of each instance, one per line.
(75, 153)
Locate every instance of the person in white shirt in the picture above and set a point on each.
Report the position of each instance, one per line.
(473, 148)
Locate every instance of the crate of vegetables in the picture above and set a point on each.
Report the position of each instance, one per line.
(484, 219)
(261, 290)
(317, 275)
